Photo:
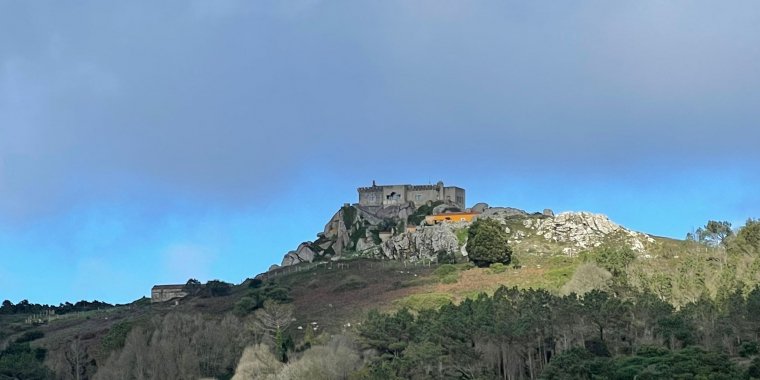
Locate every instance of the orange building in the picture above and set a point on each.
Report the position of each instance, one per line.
(450, 217)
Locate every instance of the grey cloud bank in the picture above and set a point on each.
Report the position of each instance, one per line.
(226, 100)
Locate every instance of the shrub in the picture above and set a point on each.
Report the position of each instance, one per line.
(116, 336)
(462, 236)
(349, 216)
(246, 305)
(497, 268)
(614, 258)
(450, 278)
(445, 269)
(419, 215)
(30, 336)
(446, 257)
(586, 278)
(749, 349)
(216, 288)
(254, 283)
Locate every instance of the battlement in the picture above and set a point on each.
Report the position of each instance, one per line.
(390, 195)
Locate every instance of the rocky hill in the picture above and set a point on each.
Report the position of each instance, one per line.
(399, 233)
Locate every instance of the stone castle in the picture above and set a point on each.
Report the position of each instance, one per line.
(394, 195)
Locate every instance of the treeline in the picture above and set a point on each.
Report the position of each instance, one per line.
(25, 307)
(530, 334)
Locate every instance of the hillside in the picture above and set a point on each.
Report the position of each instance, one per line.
(363, 262)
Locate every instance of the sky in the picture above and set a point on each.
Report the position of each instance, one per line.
(149, 142)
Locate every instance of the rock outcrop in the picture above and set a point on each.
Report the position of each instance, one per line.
(424, 243)
(304, 253)
(584, 230)
(381, 232)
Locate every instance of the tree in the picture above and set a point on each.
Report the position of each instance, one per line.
(273, 319)
(192, 286)
(714, 232)
(748, 238)
(487, 243)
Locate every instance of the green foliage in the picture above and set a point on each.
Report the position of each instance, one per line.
(116, 336)
(192, 287)
(599, 335)
(586, 278)
(30, 336)
(257, 296)
(20, 361)
(747, 240)
(445, 257)
(424, 301)
(419, 214)
(497, 268)
(246, 305)
(254, 283)
(462, 235)
(357, 234)
(753, 371)
(450, 278)
(714, 233)
(648, 363)
(445, 269)
(351, 282)
(487, 243)
(614, 258)
(216, 288)
(447, 273)
(576, 363)
(748, 349)
(349, 216)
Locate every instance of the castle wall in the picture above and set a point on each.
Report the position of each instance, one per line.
(421, 197)
(454, 195)
(372, 196)
(395, 195)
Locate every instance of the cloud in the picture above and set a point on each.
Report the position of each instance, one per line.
(225, 102)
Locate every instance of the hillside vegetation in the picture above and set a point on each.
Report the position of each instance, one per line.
(555, 310)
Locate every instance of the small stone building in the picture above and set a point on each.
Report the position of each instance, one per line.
(163, 293)
(393, 195)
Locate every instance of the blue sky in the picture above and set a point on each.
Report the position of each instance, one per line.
(145, 142)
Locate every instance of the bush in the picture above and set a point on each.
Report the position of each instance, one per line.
(586, 278)
(30, 336)
(450, 278)
(254, 283)
(216, 288)
(445, 269)
(749, 349)
(446, 257)
(116, 336)
(497, 268)
(614, 258)
(419, 215)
